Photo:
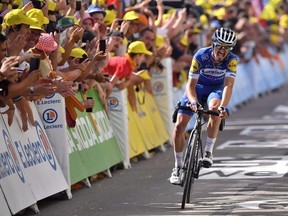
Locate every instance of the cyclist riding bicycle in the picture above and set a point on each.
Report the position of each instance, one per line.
(212, 74)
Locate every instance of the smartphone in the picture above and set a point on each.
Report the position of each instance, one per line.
(89, 109)
(51, 27)
(143, 66)
(120, 22)
(80, 87)
(34, 64)
(82, 59)
(102, 45)
(37, 4)
(78, 5)
(111, 7)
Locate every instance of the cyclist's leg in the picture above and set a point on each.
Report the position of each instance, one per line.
(178, 136)
(213, 101)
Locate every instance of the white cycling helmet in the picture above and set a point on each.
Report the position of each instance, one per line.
(225, 36)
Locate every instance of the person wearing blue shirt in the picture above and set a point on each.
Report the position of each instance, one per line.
(211, 77)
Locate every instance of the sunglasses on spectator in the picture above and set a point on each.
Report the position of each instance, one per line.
(220, 46)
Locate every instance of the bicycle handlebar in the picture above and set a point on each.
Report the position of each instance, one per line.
(201, 110)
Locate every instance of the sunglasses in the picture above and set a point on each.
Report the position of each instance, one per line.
(220, 46)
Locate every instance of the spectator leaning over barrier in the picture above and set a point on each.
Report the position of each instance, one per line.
(16, 24)
(211, 78)
(122, 67)
(8, 74)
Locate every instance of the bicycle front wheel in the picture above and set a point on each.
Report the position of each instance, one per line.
(192, 167)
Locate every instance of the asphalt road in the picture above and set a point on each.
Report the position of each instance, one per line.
(249, 175)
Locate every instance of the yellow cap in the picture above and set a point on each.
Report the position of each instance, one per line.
(274, 38)
(166, 16)
(98, 2)
(159, 40)
(171, 11)
(219, 13)
(17, 2)
(16, 17)
(274, 28)
(37, 26)
(130, 15)
(184, 41)
(284, 21)
(37, 16)
(51, 5)
(78, 53)
(138, 47)
(61, 49)
(145, 75)
(203, 19)
(196, 30)
(110, 17)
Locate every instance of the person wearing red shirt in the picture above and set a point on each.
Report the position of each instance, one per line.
(121, 68)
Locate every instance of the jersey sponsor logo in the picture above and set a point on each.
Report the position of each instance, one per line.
(205, 57)
(232, 65)
(213, 72)
(194, 66)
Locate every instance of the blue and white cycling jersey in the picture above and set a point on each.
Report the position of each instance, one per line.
(203, 69)
(210, 78)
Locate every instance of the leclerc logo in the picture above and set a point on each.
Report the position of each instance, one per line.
(50, 116)
(113, 102)
(50, 96)
(12, 157)
(44, 143)
(158, 86)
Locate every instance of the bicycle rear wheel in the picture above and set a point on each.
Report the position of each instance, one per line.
(192, 167)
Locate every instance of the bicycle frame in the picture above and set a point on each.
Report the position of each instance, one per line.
(192, 162)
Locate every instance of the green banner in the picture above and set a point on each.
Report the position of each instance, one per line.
(92, 144)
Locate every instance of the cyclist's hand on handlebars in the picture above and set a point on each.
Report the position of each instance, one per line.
(194, 105)
(224, 112)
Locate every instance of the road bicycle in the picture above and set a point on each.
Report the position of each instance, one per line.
(193, 156)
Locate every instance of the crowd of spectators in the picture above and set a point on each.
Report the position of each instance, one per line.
(106, 44)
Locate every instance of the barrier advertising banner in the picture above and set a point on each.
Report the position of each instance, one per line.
(118, 114)
(3, 205)
(30, 171)
(145, 123)
(92, 145)
(163, 93)
(52, 112)
(136, 142)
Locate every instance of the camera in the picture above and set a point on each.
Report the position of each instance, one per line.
(34, 64)
(78, 5)
(4, 87)
(102, 45)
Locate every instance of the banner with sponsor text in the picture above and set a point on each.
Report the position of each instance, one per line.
(29, 168)
(93, 147)
(52, 112)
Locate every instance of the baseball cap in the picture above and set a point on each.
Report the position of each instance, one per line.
(95, 9)
(78, 53)
(16, 17)
(145, 75)
(139, 48)
(184, 41)
(37, 16)
(65, 22)
(46, 43)
(110, 17)
(37, 26)
(131, 15)
(86, 16)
